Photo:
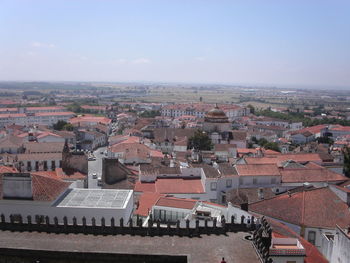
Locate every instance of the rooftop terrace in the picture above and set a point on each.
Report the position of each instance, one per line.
(211, 248)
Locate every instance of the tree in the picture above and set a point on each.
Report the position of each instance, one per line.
(68, 127)
(325, 139)
(200, 141)
(58, 126)
(346, 167)
(150, 114)
(75, 107)
(251, 108)
(262, 141)
(272, 146)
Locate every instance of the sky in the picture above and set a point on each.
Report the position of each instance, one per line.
(280, 43)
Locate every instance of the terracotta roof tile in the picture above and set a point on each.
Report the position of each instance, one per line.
(257, 170)
(90, 119)
(43, 147)
(7, 169)
(313, 208)
(46, 188)
(302, 157)
(145, 187)
(171, 186)
(145, 203)
(310, 174)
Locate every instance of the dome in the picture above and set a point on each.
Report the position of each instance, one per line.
(216, 115)
(216, 112)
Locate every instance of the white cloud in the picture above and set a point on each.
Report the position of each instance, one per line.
(37, 44)
(141, 61)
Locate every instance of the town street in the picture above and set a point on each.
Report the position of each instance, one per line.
(96, 167)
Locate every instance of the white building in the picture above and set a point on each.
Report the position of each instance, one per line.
(200, 109)
(341, 244)
(286, 250)
(40, 118)
(34, 195)
(205, 182)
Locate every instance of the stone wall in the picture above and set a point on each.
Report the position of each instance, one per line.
(77, 161)
(152, 228)
(113, 171)
(40, 256)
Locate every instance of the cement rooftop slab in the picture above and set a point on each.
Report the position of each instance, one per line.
(211, 248)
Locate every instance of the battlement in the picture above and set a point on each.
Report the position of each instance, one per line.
(46, 224)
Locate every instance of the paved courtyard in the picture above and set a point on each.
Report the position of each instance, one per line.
(211, 248)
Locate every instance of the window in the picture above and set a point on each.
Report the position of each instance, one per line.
(311, 237)
(229, 183)
(255, 181)
(213, 186)
(240, 180)
(273, 180)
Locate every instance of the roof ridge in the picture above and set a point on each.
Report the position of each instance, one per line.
(303, 209)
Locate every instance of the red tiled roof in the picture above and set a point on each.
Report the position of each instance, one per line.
(135, 149)
(7, 169)
(312, 208)
(270, 152)
(145, 187)
(145, 203)
(179, 186)
(311, 173)
(65, 113)
(171, 186)
(176, 202)
(12, 115)
(82, 119)
(303, 157)
(8, 109)
(60, 174)
(46, 188)
(339, 128)
(312, 129)
(224, 147)
(8, 102)
(46, 108)
(44, 134)
(257, 170)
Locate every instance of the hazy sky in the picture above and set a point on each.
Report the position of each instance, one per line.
(261, 42)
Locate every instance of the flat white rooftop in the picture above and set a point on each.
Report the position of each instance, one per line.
(96, 198)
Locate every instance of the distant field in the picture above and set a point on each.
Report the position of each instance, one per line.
(260, 105)
(189, 95)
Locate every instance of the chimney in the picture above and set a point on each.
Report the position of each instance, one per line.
(261, 193)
